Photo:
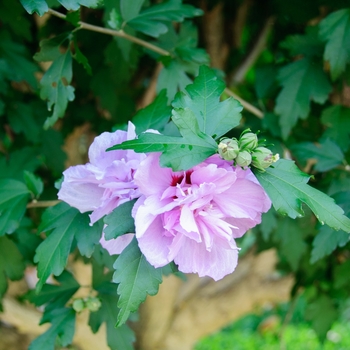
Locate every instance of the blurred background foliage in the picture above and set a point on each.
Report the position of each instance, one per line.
(288, 60)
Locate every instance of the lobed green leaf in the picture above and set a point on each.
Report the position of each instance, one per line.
(287, 188)
(136, 278)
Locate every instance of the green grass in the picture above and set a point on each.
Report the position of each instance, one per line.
(262, 332)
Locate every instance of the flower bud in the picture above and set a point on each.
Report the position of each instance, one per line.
(78, 305)
(263, 158)
(243, 159)
(248, 141)
(228, 149)
(93, 304)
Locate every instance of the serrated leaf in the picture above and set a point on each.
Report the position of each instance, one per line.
(11, 263)
(13, 202)
(327, 240)
(179, 153)
(322, 314)
(308, 44)
(172, 78)
(119, 221)
(50, 48)
(34, 183)
(63, 327)
(337, 119)
(120, 338)
(335, 31)
(56, 89)
(65, 223)
(154, 116)
(75, 4)
(81, 58)
(55, 296)
(136, 278)
(38, 6)
(152, 21)
(214, 118)
(287, 188)
(302, 81)
(327, 154)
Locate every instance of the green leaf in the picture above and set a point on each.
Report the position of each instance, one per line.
(292, 243)
(152, 21)
(34, 183)
(55, 87)
(63, 328)
(335, 31)
(75, 4)
(302, 81)
(50, 48)
(79, 56)
(326, 241)
(268, 224)
(172, 78)
(65, 223)
(53, 295)
(327, 154)
(22, 159)
(13, 202)
(308, 45)
(22, 119)
(179, 153)
(18, 63)
(120, 338)
(337, 119)
(130, 9)
(214, 118)
(154, 116)
(38, 6)
(136, 278)
(119, 221)
(11, 264)
(322, 314)
(287, 188)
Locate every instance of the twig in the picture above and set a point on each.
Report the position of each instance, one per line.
(154, 48)
(118, 33)
(42, 204)
(249, 107)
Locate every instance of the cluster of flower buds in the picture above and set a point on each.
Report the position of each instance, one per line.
(246, 151)
(91, 303)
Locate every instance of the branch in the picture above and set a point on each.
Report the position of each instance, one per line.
(42, 204)
(154, 48)
(118, 33)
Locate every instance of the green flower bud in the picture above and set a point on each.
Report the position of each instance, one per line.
(78, 305)
(228, 149)
(263, 158)
(243, 159)
(93, 304)
(248, 141)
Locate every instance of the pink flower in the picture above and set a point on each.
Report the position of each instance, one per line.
(193, 217)
(107, 180)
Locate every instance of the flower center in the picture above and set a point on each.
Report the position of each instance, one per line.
(177, 179)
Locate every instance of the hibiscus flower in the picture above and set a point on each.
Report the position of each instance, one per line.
(107, 180)
(193, 217)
